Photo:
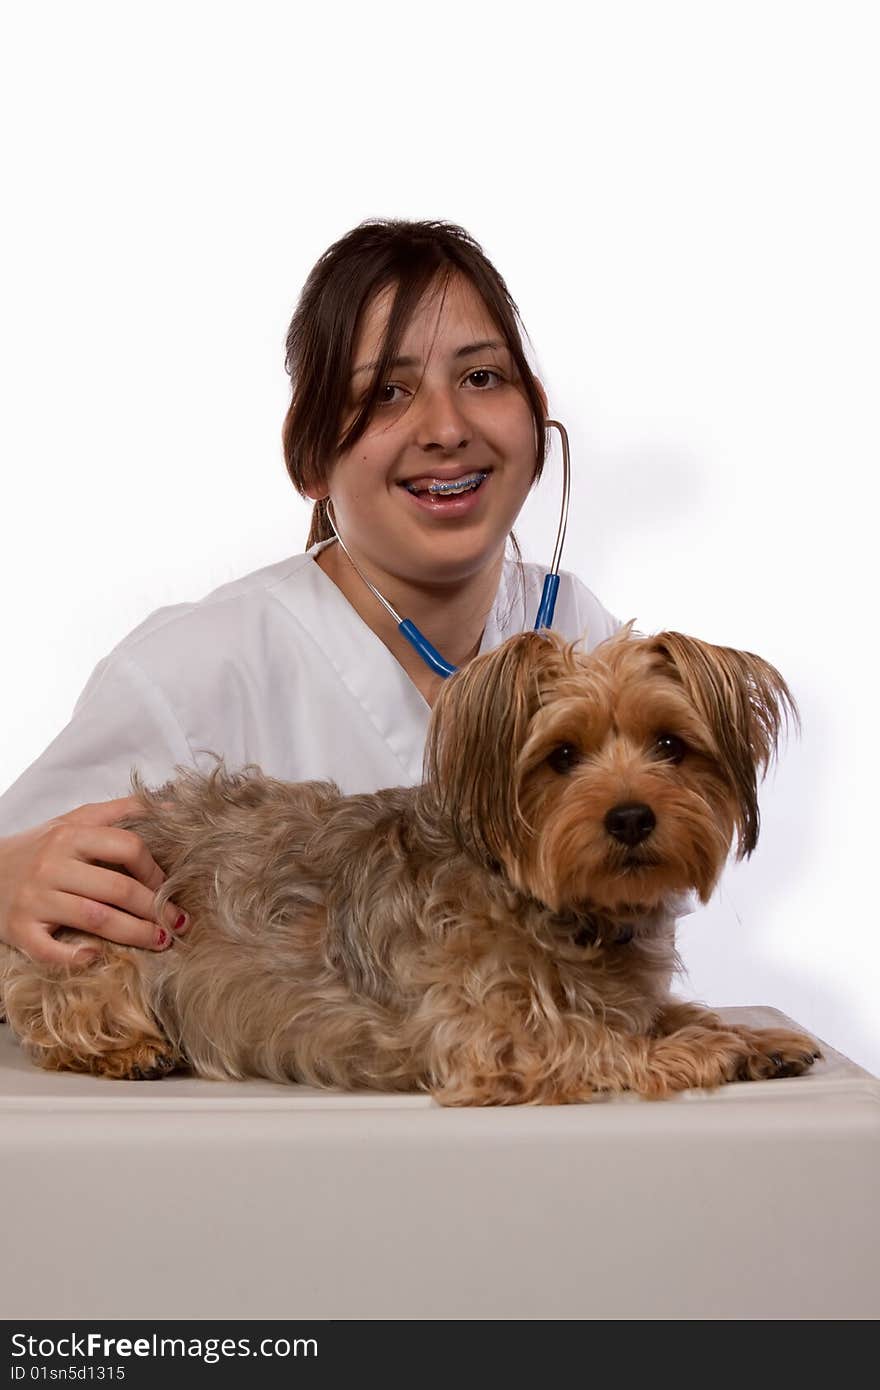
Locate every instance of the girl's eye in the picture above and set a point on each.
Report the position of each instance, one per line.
(389, 386)
(483, 371)
(482, 385)
(671, 747)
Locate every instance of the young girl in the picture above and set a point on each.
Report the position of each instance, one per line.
(408, 370)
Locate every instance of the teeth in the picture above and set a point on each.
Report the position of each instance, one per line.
(445, 489)
(458, 484)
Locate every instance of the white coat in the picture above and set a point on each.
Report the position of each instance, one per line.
(275, 668)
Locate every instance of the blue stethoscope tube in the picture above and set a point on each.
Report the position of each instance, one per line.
(546, 607)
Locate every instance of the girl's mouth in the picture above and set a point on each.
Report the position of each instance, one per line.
(448, 498)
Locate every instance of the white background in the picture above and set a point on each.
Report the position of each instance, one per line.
(682, 198)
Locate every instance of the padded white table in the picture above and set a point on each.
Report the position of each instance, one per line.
(193, 1199)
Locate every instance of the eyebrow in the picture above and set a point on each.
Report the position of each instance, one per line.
(465, 351)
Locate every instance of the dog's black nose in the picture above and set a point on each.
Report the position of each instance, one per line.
(631, 822)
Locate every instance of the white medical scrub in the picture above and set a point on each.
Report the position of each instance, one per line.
(275, 668)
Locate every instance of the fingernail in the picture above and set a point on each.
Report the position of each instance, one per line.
(162, 937)
(182, 922)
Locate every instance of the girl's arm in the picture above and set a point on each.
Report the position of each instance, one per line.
(58, 818)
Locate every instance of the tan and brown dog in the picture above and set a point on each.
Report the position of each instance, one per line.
(501, 934)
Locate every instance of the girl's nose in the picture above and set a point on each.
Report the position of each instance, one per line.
(440, 419)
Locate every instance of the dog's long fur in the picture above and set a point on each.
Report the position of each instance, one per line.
(503, 933)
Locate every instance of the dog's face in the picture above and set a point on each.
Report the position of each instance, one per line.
(607, 780)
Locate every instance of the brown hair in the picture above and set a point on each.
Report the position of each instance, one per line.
(320, 341)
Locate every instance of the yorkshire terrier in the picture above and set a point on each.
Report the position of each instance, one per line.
(502, 934)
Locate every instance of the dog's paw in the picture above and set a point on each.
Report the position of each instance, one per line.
(163, 1063)
(143, 1062)
(770, 1053)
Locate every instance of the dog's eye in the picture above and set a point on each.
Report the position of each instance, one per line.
(671, 747)
(564, 757)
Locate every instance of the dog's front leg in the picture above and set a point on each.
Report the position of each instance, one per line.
(489, 1068)
(491, 1065)
(763, 1053)
(479, 1043)
(701, 1053)
(490, 1044)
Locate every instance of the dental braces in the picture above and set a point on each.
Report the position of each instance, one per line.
(457, 485)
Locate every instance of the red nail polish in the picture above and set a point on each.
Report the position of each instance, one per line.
(180, 921)
(162, 937)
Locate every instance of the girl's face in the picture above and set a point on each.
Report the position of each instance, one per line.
(452, 407)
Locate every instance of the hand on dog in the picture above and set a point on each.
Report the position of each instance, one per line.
(47, 881)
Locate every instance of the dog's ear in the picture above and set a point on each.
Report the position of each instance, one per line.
(478, 727)
(745, 703)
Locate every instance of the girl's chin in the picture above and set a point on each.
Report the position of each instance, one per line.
(449, 565)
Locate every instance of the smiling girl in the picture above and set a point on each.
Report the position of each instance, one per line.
(408, 372)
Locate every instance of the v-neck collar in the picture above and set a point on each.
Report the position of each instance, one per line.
(395, 706)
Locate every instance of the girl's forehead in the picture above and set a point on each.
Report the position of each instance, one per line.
(441, 312)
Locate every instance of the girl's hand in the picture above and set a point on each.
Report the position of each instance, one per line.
(47, 881)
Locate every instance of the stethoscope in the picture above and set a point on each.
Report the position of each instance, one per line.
(546, 607)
